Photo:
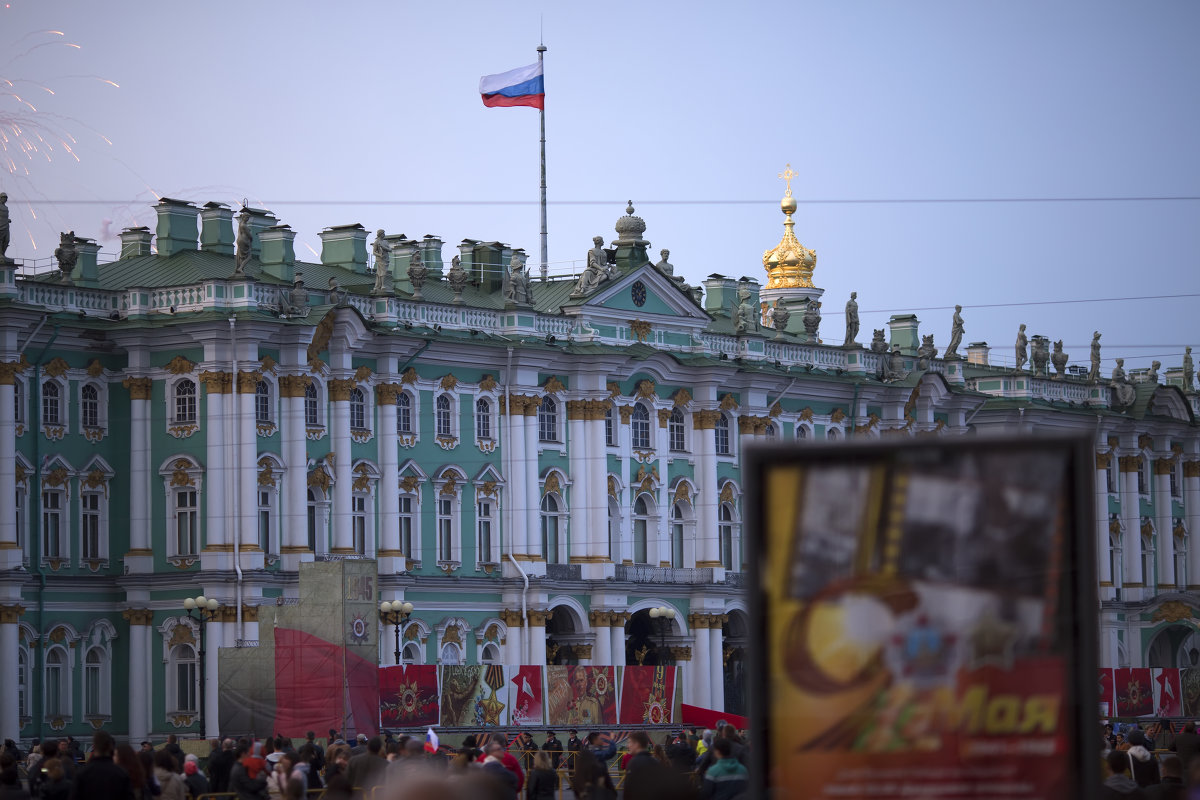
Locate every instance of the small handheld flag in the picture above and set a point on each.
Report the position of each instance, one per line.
(517, 87)
(431, 741)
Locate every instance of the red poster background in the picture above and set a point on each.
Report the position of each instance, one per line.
(1135, 695)
(408, 695)
(314, 691)
(639, 702)
(1168, 695)
(1107, 695)
(525, 696)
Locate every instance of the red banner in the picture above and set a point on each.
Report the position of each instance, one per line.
(581, 697)
(698, 717)
(408, 696)
(1108, 698)
(526, 696)
(1168, 696)
(647, 695)
(314, 679)
(1135, 696)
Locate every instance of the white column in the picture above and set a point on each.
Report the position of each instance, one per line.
(10, 615)
(661, 449)
(701, 693)
(516, 540)
(10, 553)
(141, 557)
(245, 474)
(216, 451)
(708, 553)
(581, 489)
(537, 637)
(1103, 543)
(212, 683)
(140, 621)
(513, 654)
(532, 494)
(629, 494)
(294, 495)
(1191, 509)
(339, 414)
(602, 649)
(597, 466)
(389, 476)
(1131, 536)
(618, 620)
(1163, 534)
(716, 655)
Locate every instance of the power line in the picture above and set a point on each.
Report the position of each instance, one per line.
(680, 202)
(967, 307)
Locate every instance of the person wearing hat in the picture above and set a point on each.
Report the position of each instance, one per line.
(360, 747)
(318, 761)
(574, 745)
(193, 778)
(553, 748)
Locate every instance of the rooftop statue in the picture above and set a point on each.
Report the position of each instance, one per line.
(457, 276)
(1188, 369)
(891, 367)
(245, 239)
(417, 272)
(1059, 359)
(1123, 391)
(1094, 372)
(1022, 351)
(956, 334)
(812, 320)
(596, 270)
(1039, 356)
(878, 343)
(337, 295)
(745, 318)
(851, 321)
(5, 227)
(664, 265)
(294, 303)
(65, 253)
(382, 252)
(1152, 375)
(516, 283)
(926, 352)
(780, 316)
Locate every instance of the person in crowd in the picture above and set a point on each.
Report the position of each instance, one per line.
(281, 773)
(10, 777)
(338, 788)
(554, 748)
(542, 781)
(470, 747)
(727, 778)
(248, 777)
(1186, 744)
(128, 760)
(172, 747)
(360, 746)
(1118, 785)
(317, 762)
(337, 760)
(49, 749)
(306, 759)
(508, 759)
(194, 779)
(526, 748)
(13, 750)
(34, 757)
(55, 785)
(219, 765)
(367, 770)
(1170, 787)
(641, 752)
(601, 746)
(1143, 764)
(494, 767)
(171, 785)
(146, 746)
(101, 778)
(590, 780)
(294, 790)
(681, 753)
(574, 745)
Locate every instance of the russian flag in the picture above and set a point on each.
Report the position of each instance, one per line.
(518, 87)
(431, 741)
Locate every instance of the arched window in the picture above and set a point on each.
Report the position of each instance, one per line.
(640, 426)
(770, 432)
(93, 683)
(89, 406)
(312, 520)
(677, 521)
(262, 402)
(445, 529)
(443, 417)
(411, 653)
(610, 426)
(676, 431)
(54, 528)
(404, 417)
(641, 530)
(614, 530)
(92, 544)
(58, 684)
(490, 654)
(312, 416)
(722, 435)
(51, 403)
(358, 409)
(186, 518)
(548, 420)
(182, 676)
(1181, 554)
(725, 534)
(451, 654)
(551, 528)
(185, 401)
(801, 431)
(832, 434)
(483, 418)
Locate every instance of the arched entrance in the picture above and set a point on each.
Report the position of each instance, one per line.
(564, 635)
(1174, 646)
(648, 640)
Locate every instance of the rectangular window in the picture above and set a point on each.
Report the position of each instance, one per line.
(312, 525)
(52, 525)
(360, 524)
(610, 431)
(483, 420)
(406, 527)
(639, 541)
(186, 533)
(445, 529)
(91, 682)
(54, 690)
(1142, 482)
(483, 517)
(1174, 481)
(185, 686)
(550, 538)
(311, 418)
(89, 408)
(1111, 475)
(722, 437)
(89, 533)
(50, 404)
(264, 520)
(676, 545)
(726, 536)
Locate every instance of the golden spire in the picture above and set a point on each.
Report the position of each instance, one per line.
(789, 264)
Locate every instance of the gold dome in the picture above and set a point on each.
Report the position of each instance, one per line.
(789, 264)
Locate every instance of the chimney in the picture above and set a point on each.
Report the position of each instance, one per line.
(345, 246)
(431, 255)
(278, 256)
(720, 295)
(977, 353)
(176, 226)
(904, 333)
(85, 272)
(216, 229)
(135, 242)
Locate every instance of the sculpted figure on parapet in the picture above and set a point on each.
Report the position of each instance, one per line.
(851, 320)
(1124, 392)
(382, 251)
(956, 333)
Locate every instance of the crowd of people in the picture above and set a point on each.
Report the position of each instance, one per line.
(1152, 763)
(598, 766)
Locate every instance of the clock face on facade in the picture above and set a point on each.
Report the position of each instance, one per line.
(639, 293)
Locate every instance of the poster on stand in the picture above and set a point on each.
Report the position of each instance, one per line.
(474, 696)
(525, 689)
(580, 697)
(926, 627)
(1168, 697)
(1135, 696)
(648, 695)
(408, 696)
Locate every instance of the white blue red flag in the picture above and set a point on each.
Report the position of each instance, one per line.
(522, 86)
(431, 741)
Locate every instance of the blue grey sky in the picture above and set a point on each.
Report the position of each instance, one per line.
(326, 112)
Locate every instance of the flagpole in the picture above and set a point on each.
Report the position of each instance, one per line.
(545, 267)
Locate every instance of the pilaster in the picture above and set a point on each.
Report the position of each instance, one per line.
(1164, 537)
(140, 558)
(1103, 543)
(339, 396)
(391, 560)
(1191, 510)
(10, 616)
(140, 621)
(1133, 581)
(294, 490)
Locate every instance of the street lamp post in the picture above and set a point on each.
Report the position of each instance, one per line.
(206, 612)
(395, 614)
(664, 614)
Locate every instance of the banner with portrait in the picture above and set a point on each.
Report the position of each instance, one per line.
(581, 697)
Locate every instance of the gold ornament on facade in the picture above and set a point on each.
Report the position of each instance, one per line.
(511, 618)
(181, 634)
(538, 618)
(11, 614)
(727, 495)
(1147, 527)
(1180, 531)
(316, 366)
(10, 369)
(640, 654)
(95, 369)
(248, 381)
(1191, 469)
(57, 367)
(409, 376)
(705, 419)
(266, 476)
(612, 486)
(614, 389)
(409, 483)
(138, 616)
(1130, 463)
(552, 485)
(180, 366)
(837, 416)
(448, 382)
(681, 398)
(682, 653)
(640, 329)
(645, 390)
(386, 394)
(319, 478)
(1164, 466)
(664, 416)
(362, 373)
(488, 489)
(1103, 460)
(21, 474)
(267, 364)
(488, 383)
(363, 482)
(321, 336)
(728, 402)
(1114, 442)
(789, 264)
(96, 479)
(215, 382)
(1172, 611)
(626, 412)
(57, 477)
(1114, 526)
(339, 390)
(450, 487)
(1146, 442)
(553, 385)
(683, 493)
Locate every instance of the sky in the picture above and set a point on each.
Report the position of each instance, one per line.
(993, 154)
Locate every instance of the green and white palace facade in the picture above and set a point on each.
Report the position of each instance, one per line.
(534, 462)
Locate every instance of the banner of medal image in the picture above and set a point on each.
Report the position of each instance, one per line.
(919, 624)
(583, 697)
(1150, 692)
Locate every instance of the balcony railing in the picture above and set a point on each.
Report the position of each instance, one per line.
(636, 574)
